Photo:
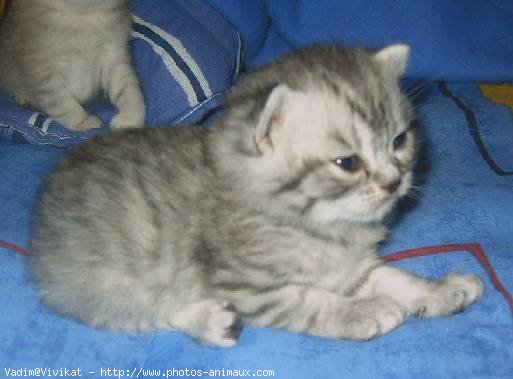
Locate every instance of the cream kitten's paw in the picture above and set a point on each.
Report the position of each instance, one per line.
(220, 326)
(21, 100)
(373, 317)
(128, 120)
(451, 295)
(90, 122)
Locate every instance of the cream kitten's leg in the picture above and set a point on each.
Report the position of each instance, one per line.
(211, 322)
(120, 82)
(326, 314)
(56, 100)
(21, 100)
(419, 296)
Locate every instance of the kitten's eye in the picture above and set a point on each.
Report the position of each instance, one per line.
(349, 164)
(400, 141)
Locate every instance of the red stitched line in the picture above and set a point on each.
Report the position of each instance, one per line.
(13, 247)
(474, 248)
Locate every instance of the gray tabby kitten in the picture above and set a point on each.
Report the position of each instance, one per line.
(271, 217)
(58, 54)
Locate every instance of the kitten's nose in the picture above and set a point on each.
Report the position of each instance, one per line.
(391, 187)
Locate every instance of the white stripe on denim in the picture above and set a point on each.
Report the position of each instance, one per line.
(32, 119)
(170, 64)
(184, 54)
(240, 58)
(46, 124)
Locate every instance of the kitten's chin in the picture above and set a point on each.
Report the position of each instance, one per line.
(330, 213)
(382, 208)
(376, 215)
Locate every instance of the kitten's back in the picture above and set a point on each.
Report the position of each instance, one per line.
(114, 198)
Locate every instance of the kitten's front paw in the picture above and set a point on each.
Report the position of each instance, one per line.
(373, 317)
(221, 326)
(22, 100)
(128, 120)
(451, 295)
(90, 122)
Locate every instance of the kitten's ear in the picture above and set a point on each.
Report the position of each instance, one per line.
(271, 117)
(394, 58)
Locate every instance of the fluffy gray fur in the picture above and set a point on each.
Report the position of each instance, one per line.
(271, 217)
(56, 55)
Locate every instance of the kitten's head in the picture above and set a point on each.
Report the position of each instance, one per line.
(330, 137)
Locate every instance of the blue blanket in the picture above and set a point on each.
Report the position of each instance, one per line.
(467, 197)
(451, 39)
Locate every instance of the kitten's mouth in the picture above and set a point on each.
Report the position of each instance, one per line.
(380, 207)
(382, 201)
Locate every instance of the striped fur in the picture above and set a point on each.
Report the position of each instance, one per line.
(194, 229)
(56, 55)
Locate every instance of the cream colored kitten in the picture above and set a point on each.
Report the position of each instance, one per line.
(56, 55)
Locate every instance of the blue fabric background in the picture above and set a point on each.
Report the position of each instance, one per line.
(251, 20)
(451, 39)
(463, 200)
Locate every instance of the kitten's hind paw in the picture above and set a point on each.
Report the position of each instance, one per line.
(222, 326)
(90, 122)
(22, 100)
(211, 322)
(127, 120)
